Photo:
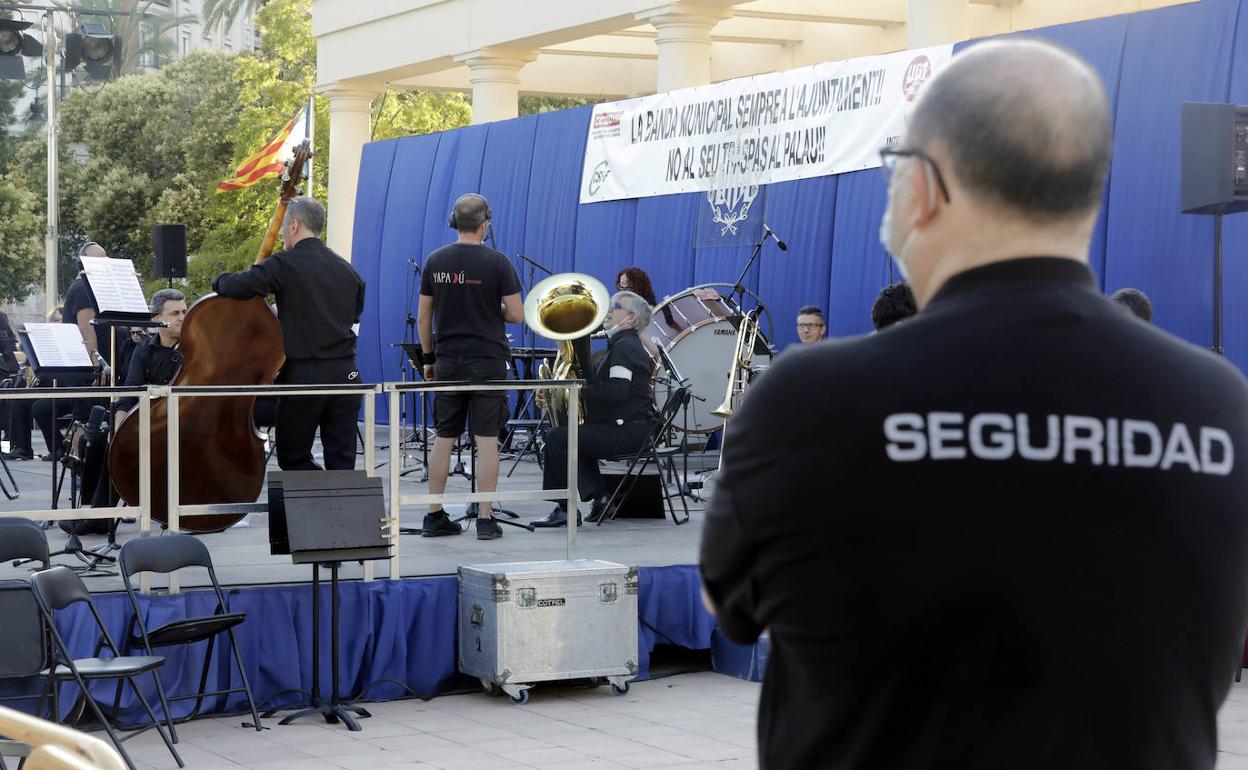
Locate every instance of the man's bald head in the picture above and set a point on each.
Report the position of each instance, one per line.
(92, 249)
(1025, 125)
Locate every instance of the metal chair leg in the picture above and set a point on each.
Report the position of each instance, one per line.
(152, 714)
(251, 700)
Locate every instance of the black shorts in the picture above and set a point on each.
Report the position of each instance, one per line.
(487, 410)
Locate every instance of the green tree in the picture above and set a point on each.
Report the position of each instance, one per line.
(20, 241)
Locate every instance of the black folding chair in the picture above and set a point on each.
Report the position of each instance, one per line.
(164, 555)
(24, 653)
(663, 458)
(58, 588)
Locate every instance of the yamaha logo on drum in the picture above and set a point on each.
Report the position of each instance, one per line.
(725, 332)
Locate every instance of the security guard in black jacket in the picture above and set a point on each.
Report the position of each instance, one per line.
(1009, 532)
(319, 301)
(618, 411)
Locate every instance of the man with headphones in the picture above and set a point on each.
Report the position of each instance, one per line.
(469, 292)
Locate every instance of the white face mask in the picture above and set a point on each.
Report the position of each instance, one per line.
(886, 240)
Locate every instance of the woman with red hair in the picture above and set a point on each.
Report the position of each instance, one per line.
(634, 279)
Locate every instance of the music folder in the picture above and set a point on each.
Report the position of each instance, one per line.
(55, 350)
(114, 288)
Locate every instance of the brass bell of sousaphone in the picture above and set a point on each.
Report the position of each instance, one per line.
(566, 308)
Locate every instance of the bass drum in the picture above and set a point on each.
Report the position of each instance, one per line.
(698, 330)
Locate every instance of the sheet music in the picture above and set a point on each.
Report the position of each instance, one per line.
(58, 345)
(115, 285)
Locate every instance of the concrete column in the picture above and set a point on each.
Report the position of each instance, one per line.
(495, 77)
(350, 118)
(684, 42)
(933, 22)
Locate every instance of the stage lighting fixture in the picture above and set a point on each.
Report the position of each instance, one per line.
(93, 47)
(14, 44)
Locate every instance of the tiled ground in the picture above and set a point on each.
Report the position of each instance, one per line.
(702, 720)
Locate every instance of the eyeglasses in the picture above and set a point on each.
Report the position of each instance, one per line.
(888, 162)
(810, 326)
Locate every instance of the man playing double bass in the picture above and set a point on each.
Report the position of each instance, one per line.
(319, 300)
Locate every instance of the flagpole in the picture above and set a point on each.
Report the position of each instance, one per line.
(309, 126)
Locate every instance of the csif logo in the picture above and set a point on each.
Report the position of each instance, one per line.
(600, 174)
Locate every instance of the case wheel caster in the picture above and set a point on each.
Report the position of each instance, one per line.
(594, 683)
(520, 699)
(619, 689)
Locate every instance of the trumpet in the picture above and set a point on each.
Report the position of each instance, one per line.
(739, 371)
(565, 308)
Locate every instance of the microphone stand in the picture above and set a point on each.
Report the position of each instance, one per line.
(738, 288)
(410, 336)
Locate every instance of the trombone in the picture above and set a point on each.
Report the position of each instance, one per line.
(565, 308)
(738, 374)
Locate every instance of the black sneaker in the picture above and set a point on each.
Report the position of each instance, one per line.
(439, 525)
(19, 454)
(488, 529)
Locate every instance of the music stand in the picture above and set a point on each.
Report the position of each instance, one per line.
(417, 359)
(327, 517)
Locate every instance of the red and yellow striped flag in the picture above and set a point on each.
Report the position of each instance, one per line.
(268, 160)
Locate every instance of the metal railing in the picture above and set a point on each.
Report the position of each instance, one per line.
(176, 510)
(397, 389)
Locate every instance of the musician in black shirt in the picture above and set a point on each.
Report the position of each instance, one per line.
(618, 411)
(1009, 532)
(319, 301)
(468, 293)
(156, 360)
(79, 309)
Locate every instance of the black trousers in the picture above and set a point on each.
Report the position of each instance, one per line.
(595, 441)
(46, 411)
(20, 425)
(299, 417)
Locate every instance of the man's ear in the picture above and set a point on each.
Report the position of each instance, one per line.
(926, 192)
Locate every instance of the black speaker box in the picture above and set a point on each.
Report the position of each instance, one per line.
(644, 500)
(170, 245)
(1214, 158)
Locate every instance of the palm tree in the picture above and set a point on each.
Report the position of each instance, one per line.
(216, 10)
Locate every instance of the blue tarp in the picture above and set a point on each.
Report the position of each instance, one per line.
(401, 630)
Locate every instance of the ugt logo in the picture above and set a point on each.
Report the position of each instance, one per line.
(601, 172)
(917, 73)
(731, 205)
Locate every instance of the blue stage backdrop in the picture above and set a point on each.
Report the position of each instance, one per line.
(530, 170)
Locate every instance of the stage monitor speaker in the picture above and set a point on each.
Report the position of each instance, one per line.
(1214, 158)
(170, 246)
(644, 500)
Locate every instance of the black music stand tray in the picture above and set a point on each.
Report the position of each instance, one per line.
(327, 517)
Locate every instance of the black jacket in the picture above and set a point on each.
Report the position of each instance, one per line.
(151, 363)
(1008, 533)
(619, 387)
(319, 298)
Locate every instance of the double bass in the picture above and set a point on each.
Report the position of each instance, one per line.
(221, 453)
